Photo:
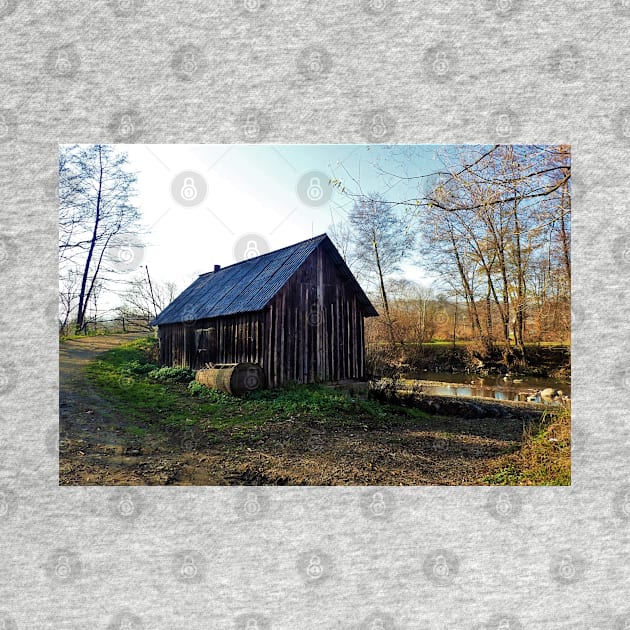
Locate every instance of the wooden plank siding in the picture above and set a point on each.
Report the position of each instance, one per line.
(314, 327)
(239, 339)
(311, 331)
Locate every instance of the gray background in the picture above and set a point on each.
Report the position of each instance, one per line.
(314, 72)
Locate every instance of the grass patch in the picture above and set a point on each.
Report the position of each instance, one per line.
(544, 457)
(169, 398)
(136, 431)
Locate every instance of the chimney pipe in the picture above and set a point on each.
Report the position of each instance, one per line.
(216, 268)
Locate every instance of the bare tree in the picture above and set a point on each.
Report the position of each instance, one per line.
(96, 205)
(143, 301)
(381, 240)
(340, 233)
(413, 308)
(68, 297)
(496, 206)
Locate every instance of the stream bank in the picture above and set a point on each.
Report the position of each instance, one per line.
(412, 360)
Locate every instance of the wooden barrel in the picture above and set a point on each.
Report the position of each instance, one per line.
(233, 378)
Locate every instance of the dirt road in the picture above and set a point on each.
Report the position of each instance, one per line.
(98, 446)
(94, 446)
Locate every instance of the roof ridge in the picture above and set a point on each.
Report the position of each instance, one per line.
(249, 288)
(275, 251)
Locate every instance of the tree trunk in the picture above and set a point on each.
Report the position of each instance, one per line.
(565, 237)
(489, 327)
(83, 301)
(519, 327)
(388, 318)
(468, 292)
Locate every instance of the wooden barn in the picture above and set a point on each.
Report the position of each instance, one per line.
(297, 312)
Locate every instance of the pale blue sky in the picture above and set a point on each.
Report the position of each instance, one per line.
(250, 189)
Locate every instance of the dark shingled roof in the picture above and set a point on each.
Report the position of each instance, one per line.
(251, 284)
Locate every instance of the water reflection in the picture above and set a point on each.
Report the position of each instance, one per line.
(497, 387)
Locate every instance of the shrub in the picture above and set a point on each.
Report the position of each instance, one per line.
(173, 374)
(385, 389)
(137, 367)
(207, 393)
